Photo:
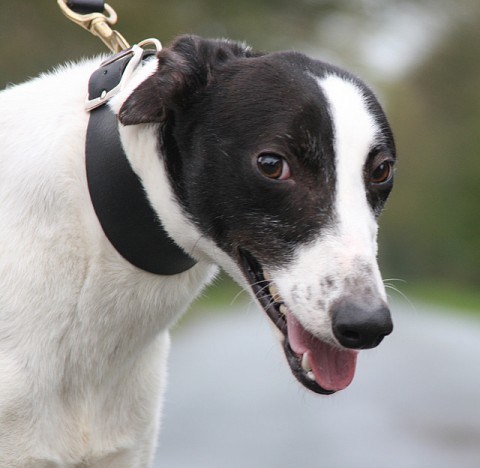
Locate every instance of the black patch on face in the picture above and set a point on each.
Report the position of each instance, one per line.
(221, 106)
(252, 106)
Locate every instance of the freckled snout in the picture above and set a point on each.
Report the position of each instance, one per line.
(359, 324)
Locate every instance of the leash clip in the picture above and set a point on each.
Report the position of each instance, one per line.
(98, 24)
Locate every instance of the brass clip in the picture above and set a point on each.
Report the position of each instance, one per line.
(99, 25)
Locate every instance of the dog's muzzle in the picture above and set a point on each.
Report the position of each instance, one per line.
(322, 365)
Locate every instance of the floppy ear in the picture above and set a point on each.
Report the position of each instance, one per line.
(183, 69)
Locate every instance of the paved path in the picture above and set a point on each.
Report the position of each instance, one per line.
(414, 403)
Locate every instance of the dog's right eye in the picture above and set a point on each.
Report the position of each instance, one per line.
(383, 173)
(273, 166)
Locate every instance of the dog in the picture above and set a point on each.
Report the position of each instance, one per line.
(274, 167)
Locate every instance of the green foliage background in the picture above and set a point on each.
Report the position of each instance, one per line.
(433, 227)
(430, 231)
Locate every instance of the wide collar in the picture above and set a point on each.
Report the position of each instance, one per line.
(118, 197)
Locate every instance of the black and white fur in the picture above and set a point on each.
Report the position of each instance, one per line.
(84, 335)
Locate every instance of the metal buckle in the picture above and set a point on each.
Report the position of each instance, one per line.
(136, 51)
(151, 41)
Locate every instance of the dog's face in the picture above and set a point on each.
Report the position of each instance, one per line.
(284, 163)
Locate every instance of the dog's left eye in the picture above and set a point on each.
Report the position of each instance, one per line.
(382, 173)
(273, 166)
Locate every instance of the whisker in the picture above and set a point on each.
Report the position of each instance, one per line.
(395, 279)
(242, 290)
(246, 291)
(261, 290)
(401, 294)
(195, 246)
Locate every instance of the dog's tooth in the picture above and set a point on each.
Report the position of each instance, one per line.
(274, 293)
(310, 375)
(306, 363)
(266, 275)
(283, 309)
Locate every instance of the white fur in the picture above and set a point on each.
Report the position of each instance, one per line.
(328, 265)
(83, 334)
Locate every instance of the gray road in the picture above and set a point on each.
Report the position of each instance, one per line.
(414, 403)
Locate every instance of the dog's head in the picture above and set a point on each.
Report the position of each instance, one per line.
(282, 164)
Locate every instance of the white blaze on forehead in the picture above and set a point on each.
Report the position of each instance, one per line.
(355, 132)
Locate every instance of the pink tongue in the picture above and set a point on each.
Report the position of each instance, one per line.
(332, 367)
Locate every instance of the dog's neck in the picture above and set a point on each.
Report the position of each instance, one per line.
(117, 194)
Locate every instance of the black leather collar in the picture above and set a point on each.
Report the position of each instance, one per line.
(117, 194)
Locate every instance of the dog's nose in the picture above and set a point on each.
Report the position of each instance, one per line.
(360, 325)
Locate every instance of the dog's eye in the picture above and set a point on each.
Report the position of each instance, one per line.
(382, 173)
(273, 166)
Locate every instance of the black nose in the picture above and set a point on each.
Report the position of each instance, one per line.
(359, 325)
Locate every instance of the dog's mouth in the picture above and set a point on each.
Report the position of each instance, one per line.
(318, 365)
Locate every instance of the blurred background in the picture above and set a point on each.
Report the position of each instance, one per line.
(422, 58)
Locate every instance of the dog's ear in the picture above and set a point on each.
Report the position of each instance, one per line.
(183, 69)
